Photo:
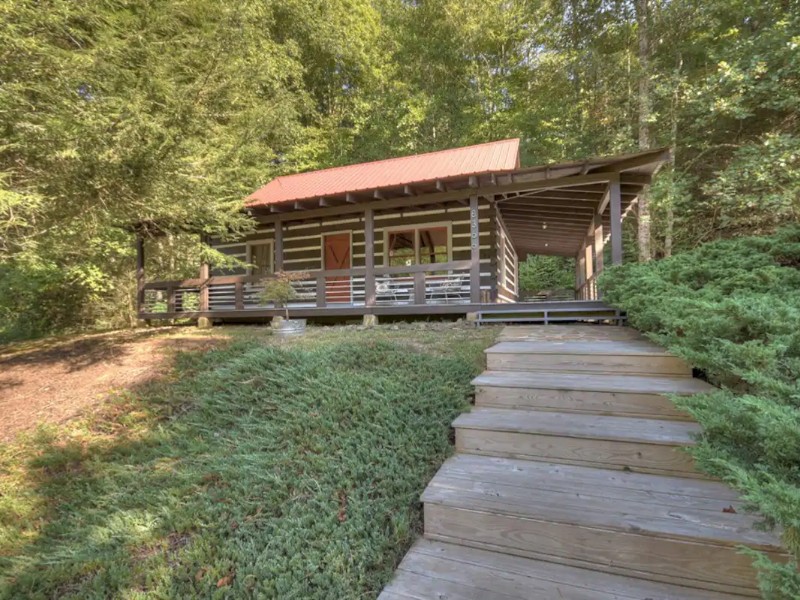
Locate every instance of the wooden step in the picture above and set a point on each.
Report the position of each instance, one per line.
(667, 529)
(601, 394)
(533, 333)
(436, 571)
(643, 445)
(633, 357)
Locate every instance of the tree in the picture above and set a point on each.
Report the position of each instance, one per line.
(546, 273)
(121, 112)
(171, 112)
(645, 108)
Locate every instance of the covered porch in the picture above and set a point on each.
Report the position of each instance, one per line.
(444, 241)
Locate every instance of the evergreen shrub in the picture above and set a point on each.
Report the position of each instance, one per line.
(732, 309)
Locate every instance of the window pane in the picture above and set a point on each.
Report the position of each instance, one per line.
(261, 257)
(401, 248)
(433, 245)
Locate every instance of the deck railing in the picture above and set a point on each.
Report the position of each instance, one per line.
(437, 283)
(588, 289)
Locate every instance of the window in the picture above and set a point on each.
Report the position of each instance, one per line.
(259, 256)
(433, 246)
(417, 246)
(401, 248)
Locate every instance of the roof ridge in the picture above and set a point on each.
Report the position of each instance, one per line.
(396, 158)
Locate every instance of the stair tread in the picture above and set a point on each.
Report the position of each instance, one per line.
(601, 427)
(654, 505)
(600, 382)
(581, 347)
(571, 332)
(434, 570)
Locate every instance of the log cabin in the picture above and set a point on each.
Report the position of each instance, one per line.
(440, 233)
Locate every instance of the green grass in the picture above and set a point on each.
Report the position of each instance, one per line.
(259, 469)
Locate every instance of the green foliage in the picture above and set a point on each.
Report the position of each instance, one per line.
(546, 273)
(279, 288)
(293, 468)
(117, 111)
(732, 309)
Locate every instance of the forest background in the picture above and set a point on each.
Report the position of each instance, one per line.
(114, 111)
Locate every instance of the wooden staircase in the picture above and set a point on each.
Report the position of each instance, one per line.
(570, 482)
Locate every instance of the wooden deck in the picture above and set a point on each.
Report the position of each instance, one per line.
(570, 482)
(487, 313)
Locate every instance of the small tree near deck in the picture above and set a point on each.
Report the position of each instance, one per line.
(279, 288)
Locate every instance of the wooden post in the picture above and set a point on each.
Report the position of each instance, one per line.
(171, 299)
(369, 257)
(320, 290)
(139, 273)
(615, 201)
(278, 245)
(599, 243)
(475, 252)
(238, 295)
(589, 268)
(419, 288)
(205, 273)
(580, 272)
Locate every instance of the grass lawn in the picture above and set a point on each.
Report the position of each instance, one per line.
(259, 468)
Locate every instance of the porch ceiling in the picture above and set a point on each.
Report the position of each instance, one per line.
(556, 220)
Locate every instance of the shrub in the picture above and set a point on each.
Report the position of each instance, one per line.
(279, 288)
(540, 273)
(254, 471)
(732, 309)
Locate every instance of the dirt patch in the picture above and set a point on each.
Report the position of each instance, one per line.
(50, 382)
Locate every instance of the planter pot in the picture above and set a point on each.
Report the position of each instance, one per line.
(288, 327)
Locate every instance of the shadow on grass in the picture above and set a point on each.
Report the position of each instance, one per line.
(262, 470)
(79, 353)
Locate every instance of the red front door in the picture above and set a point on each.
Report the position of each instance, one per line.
(337, 256)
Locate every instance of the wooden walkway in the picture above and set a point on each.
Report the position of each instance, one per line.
(570, 482)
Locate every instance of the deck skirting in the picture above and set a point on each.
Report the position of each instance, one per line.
(486, 313)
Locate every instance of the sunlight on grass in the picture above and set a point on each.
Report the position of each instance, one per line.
(258, 468)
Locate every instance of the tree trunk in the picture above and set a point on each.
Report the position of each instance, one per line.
(669, 226)
(643, 33)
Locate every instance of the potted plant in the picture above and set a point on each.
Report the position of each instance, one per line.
(279, 290)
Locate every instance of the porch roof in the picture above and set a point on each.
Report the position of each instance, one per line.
(546, 209)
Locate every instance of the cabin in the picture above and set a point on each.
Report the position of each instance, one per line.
(440, 233)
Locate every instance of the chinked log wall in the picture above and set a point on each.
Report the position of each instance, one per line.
(302, 242)
(299, 247)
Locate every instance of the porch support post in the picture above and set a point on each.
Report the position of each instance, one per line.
(475, 252)
(369, 257)
(589, 269)
(139, 273)
(598, 244)
(205, 272)
(615, 201)
(580, 271)
(278, 245)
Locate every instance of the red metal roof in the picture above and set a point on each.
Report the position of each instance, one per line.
(492, 157)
